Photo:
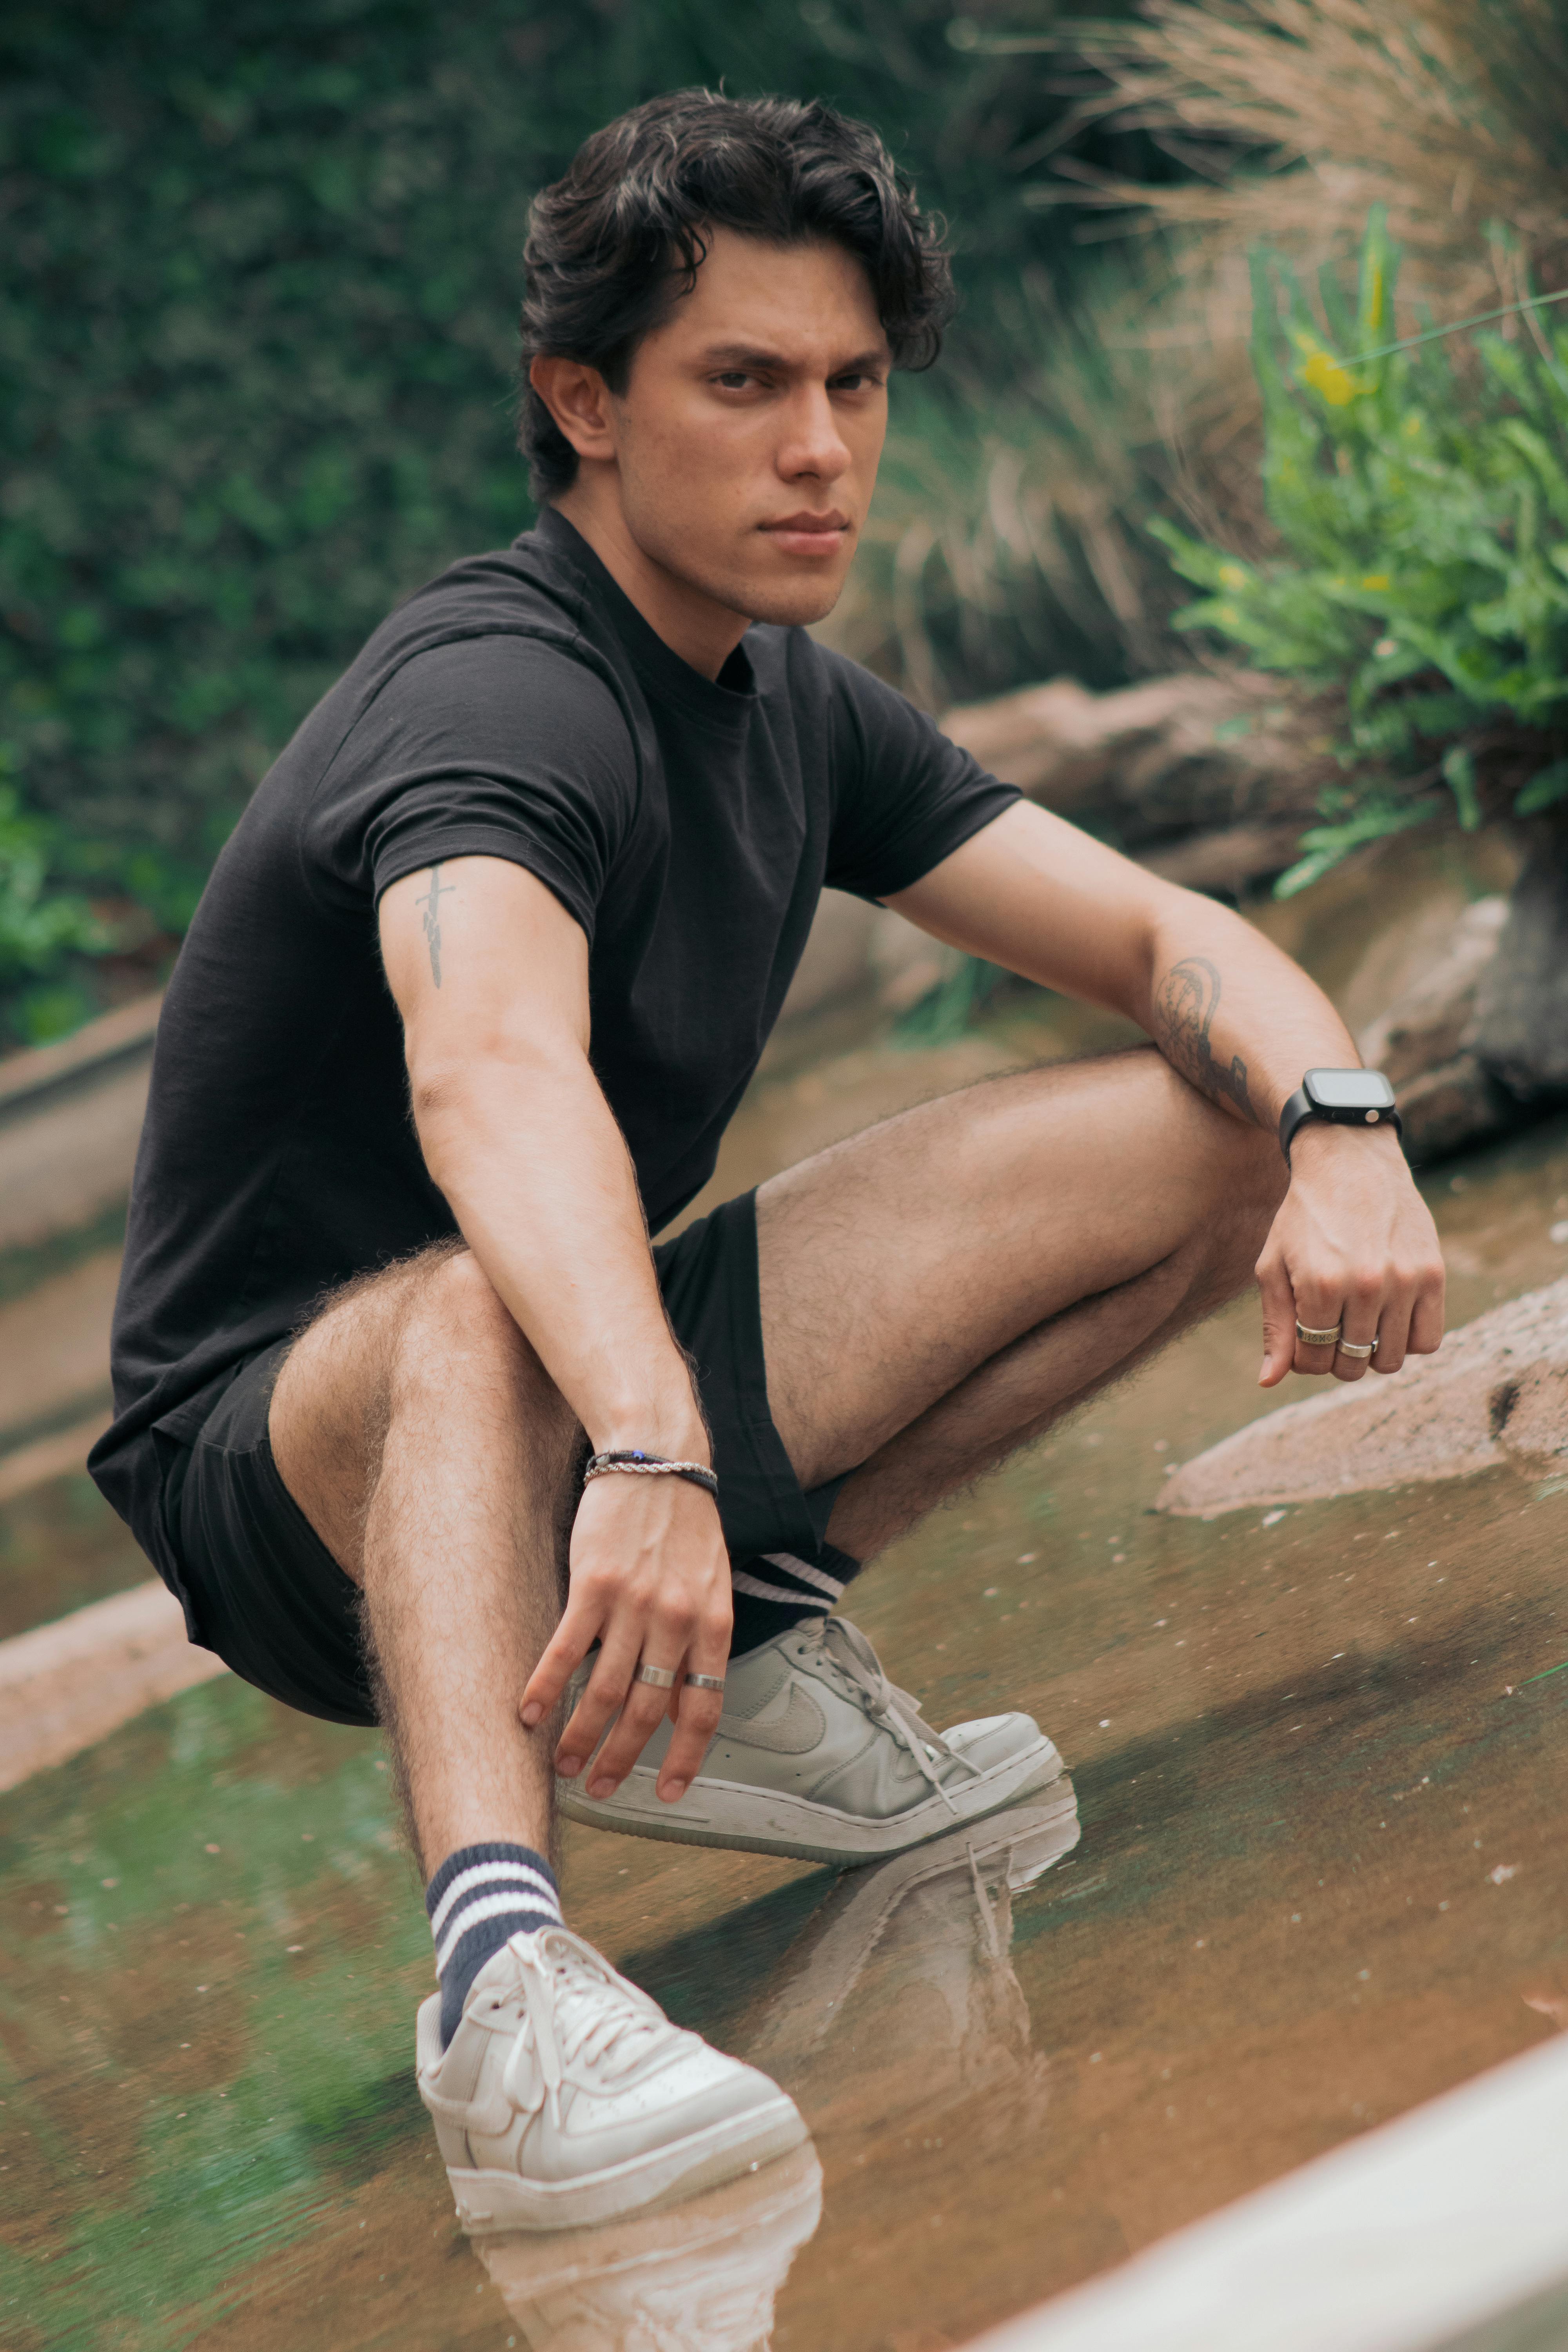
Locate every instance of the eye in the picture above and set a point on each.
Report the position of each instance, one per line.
(733, 379)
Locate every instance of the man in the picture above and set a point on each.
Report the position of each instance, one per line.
(539, 868)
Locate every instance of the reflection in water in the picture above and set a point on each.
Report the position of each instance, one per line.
(701, 2277)
(899, 2001)
(915, 1952)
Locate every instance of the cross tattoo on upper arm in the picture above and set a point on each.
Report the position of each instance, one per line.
(431, 902)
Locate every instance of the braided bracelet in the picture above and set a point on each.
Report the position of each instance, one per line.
(652, 1465)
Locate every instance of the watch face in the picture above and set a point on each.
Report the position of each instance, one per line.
(1349, 1090)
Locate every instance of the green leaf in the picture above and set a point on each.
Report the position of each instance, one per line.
(1543, 790)
(1327, 845)
(1459, 776)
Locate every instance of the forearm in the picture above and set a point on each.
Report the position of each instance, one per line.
(534, 1168)
(1235, 1016)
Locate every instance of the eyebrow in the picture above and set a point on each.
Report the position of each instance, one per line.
(755, 356)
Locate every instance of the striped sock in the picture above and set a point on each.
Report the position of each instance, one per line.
(480, 1897)
(775, 1590)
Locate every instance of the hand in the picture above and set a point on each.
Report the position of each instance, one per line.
(650, 1582)
(1353, 1243)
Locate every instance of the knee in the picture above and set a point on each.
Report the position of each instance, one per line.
(458, 1319)
(1251, 1183)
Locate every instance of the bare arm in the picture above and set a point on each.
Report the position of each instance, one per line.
(1353, 1240)
(490, 976)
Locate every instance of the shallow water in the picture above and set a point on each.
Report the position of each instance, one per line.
(1320, 1876)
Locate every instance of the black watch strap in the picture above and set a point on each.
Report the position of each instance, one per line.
(1301, 1107)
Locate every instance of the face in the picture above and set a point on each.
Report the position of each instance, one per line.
(742, 455)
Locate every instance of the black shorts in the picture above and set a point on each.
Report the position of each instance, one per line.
(265, 1594)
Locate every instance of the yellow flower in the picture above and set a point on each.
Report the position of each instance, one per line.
(1325, 375)
(1377, 580)
(1231, 575)
(1226, 615)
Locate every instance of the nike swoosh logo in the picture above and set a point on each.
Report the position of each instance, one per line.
(799, 1729)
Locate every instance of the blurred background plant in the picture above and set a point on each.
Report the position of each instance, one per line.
(259, 274)
(43, 932)
(256, 329)
(1423, 507)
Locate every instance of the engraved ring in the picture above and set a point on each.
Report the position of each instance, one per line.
(705, 1682)
(662, 1677)
(1362, 1355)
(1311, 1339)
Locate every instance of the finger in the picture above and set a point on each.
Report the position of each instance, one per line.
(1426, 1322)
(638, 1720)
(1392, 1333)
(663, 1645)
(1348, 1367)
(1363, 1307)
(1318, 1308)
(1278, 1320)
(689, 1743)
(606, 1692)
(563, 1654)
(698, 1714)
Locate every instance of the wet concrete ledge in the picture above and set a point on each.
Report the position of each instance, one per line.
(1409, 2238)
(65, 1685)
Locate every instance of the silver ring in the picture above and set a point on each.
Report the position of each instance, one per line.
(1312, 1338)
(1362, 1355)
(660, 1677)
(705, 1682)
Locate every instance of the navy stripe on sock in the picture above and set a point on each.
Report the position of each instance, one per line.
(776, 1590)
(481, 1895)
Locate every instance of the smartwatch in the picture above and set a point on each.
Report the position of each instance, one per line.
(1345, 1098)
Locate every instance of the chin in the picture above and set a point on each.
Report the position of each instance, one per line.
(787, 603)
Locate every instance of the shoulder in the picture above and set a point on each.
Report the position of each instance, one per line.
(481, 658)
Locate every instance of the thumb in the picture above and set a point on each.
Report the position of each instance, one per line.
(1279, 1320)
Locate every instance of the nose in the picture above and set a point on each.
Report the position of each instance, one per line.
(811, 448)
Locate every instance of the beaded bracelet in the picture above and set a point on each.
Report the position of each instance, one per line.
(651, 1465)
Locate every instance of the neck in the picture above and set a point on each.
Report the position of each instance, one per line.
(702, 632)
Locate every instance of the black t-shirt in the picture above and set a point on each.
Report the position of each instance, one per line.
(519, 706)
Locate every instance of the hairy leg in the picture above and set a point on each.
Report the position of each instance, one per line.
(420, 1435)
(940, 1289)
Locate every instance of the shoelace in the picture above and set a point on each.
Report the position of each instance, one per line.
(847, 1649)
(571, 2011)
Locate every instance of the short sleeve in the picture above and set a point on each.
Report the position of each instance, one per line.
(905, 797)
(495, 746)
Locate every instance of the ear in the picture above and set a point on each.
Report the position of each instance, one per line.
(579, 400)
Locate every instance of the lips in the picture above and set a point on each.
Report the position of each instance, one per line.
(807, 534)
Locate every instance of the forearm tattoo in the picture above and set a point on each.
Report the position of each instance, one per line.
(1188, 1001)
(431, 902)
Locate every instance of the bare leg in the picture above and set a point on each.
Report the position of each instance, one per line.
(421, 1437)
(941, 1289)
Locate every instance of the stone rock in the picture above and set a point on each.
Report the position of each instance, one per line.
(834, 966)
(1519, 1034)
(1426, 1025)
(1197, 751)
(1447, 1098)
(1495, 1391)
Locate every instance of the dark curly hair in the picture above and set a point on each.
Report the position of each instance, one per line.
(613, 245)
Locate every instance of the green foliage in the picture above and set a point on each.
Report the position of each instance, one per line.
(41, 927)
(951, 1004)
(256, 293)
(1424, 507)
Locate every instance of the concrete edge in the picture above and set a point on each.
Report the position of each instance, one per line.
(1397, 2241)
(26, 1079)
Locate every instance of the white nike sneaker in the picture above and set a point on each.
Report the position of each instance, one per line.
(704, 2279)
(819, 1756)
(566, 2097)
